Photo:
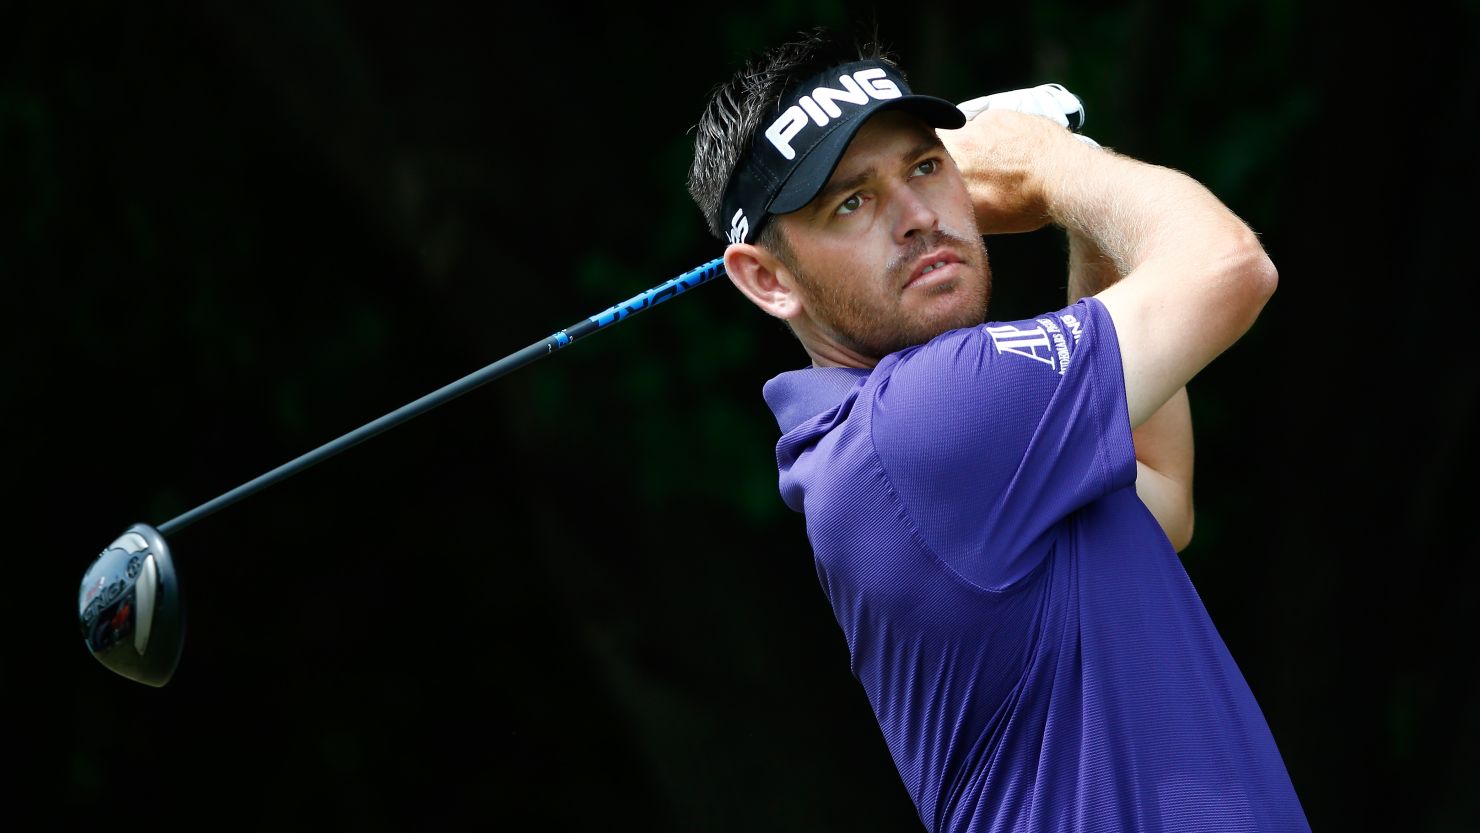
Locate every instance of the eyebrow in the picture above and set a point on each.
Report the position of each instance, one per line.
(841, 186)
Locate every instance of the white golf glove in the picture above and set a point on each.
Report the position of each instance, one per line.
(1052, 101)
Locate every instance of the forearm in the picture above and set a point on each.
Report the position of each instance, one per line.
(1122, 213)
(1195, 275)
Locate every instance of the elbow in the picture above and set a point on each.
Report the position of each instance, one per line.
(1264, 278)
(1250, 278)
(1255, 271)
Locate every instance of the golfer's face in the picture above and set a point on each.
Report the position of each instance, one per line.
(888, 255)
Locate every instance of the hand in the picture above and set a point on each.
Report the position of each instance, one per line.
(1052, 101)
(1005, 157)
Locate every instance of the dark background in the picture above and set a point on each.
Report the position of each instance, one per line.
(573, 599)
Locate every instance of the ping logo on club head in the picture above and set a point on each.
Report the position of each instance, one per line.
(822, 105)
(739, 227)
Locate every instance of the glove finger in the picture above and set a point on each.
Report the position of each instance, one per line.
(1066, 103)
(974, 107)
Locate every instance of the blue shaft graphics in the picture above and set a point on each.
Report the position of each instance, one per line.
(646, 300)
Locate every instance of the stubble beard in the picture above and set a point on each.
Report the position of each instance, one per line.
(859, 322)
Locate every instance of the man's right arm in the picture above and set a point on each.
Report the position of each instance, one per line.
(1195, 277)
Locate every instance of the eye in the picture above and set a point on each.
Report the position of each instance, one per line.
(927, 167)
(850, 205)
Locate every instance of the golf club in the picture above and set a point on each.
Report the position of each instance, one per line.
(130, 605)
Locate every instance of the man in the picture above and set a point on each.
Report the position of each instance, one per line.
(995, 509)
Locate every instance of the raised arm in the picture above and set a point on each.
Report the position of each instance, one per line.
(1195, 275)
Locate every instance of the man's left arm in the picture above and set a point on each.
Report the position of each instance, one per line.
(1164, 441)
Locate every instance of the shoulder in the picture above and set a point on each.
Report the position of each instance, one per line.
(978, 381)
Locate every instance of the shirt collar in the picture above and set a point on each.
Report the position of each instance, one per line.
(799, 395)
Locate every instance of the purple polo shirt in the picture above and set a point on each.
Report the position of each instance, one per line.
(1033, 650)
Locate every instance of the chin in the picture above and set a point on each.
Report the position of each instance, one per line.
(956, 318)
(968, 307)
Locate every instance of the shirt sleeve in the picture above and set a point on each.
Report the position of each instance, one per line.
(993, 435)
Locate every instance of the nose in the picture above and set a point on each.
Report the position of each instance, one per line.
(914, 215)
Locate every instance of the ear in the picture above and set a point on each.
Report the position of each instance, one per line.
(764, 279)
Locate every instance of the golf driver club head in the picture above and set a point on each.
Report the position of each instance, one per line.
(131, 612)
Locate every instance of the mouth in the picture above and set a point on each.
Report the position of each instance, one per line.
(933, 268)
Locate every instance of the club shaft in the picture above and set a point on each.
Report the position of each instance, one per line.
(544, 347)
